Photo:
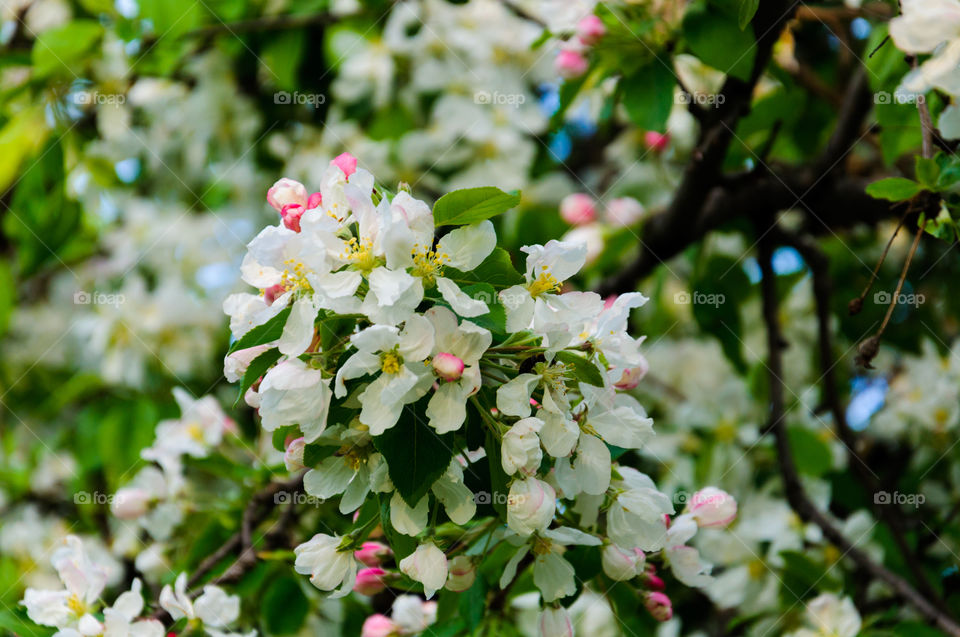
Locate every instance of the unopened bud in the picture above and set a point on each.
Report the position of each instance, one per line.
(659, 606)
(461, 575)
(448, 366)
(291, 214)
(370, 581)
(293, 456)
(373, 553)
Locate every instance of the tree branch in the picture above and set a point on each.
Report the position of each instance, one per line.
(793, 488)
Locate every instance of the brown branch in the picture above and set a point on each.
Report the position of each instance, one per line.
(256, 511)
(819, 265)
(796, 495)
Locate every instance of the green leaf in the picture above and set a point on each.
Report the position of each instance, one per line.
(648, 95)
(262, 334)
(584, 369)
(894, 189)
(748, 9)
(281, 57)
(284, 607)
(719, 42)
(257, 368)
(811, 454)
(496, 270)
(61, 50)
(171, 18)
(279, 437)
(472, 205)
(473, 603)
(496, 319)
(718, 290)
(928, 172)
(314, 454)
(416, 455)
(18, 624)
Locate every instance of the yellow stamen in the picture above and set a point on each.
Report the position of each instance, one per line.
(294, 276)
(195, 431)
(390, 362)
(360, 254)
(428, 264)
(544, 283)
(76, 606)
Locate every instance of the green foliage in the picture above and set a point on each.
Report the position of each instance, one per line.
(265, 333)
(472, 205)
(718, 41)
(284, 606)
(496, 270)
(894, 189)
(648, 95)
(61, 50)
(415, 453)
(257, 368)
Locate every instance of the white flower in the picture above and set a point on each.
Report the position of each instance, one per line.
(427, 565)
(331, 567)
(293, 394)
(73, 607)
(555, 622)
(520, 447)
(396, 356)
(412, 615)
(147, 487)
(685, 562)
(547, 267)
(215, 608)
(552, 575)
(449, 489)
(467, 342)
(531, 504)
(622, 564)
(348, 474)
(118, 620)
(830, 616)
(201, 426)
(636, 515)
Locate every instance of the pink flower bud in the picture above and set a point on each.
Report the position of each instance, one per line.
(373, 553)
(272, 293)
(378, 626)
(570, 64)
(345, 162)
(314, 201)
(712, 507)
(286, 192)
(293, 456)
(578, 209)
(631, 377)
(625, 211)
(291, 214)
(651, 579)
(655, 141)
(448, 366)
(659, 606)
(461, 575)
(370, 581)
(590, 29)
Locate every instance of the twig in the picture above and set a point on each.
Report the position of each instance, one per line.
(796, 495)
(856, 304)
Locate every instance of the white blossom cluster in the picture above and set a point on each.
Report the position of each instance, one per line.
(363, 320)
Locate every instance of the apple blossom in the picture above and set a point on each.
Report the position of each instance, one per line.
(530, 506)
(590, 29)
(570, 63)
(427, 565)
(329, 562)
(463, 572)
(378, 626)
(658, 605)
(712, 507)
(293, 454)
(555, 622)
(373, 553)
(623, 212)
(370, 581)
(578, 209)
